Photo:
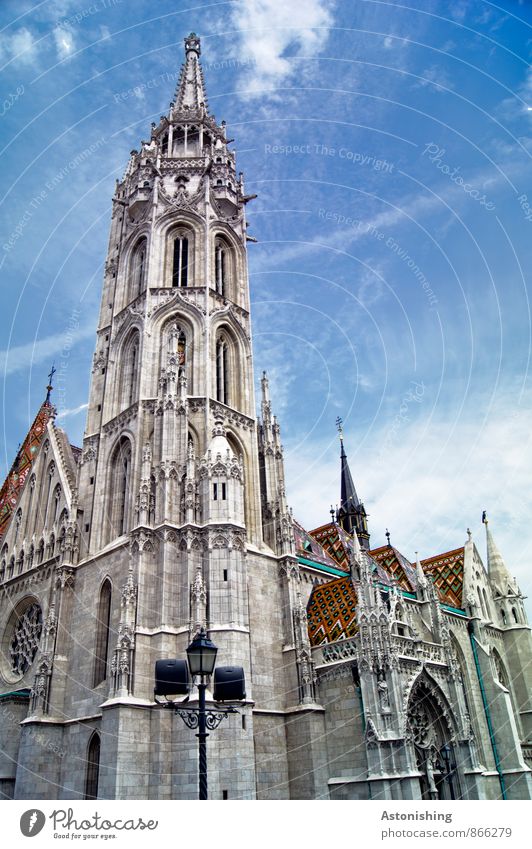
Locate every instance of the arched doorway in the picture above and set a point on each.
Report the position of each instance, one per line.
(429, 729)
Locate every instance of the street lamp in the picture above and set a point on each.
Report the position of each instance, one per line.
(172, 678)
(201, 655)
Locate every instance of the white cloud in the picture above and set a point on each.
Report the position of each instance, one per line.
(21, 357)
(432, 479)
(63, 414)
(19, 48)
(436, 78)
(269, 29)
(64, 42)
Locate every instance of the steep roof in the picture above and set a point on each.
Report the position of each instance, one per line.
(336, 542)
(447, 571)
(14, 483)
(396, 566)
(331, 611)
(309, 548)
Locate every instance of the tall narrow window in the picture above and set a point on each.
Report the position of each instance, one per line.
(93, 767)
(138, 269)
(132, 376)
(103, 619)
(220, 268)
(130, 370)
(180, 262)
(119, 489)
(222, 372)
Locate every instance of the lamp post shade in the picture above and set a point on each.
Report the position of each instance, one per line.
(201, 655)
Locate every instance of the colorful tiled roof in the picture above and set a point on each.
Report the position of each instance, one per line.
(308, 547)
(396, 566)
(336, 542)
(331, 611)
(447, 571)
(14, 483)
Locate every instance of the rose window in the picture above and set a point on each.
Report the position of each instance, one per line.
(25, 640)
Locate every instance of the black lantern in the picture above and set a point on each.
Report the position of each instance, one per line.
(201, 655)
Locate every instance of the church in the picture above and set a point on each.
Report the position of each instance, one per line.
(369, 675)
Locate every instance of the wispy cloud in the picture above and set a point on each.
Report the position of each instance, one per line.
(436, 78)
(64, 42)
(270, 31)
(18, 47)
(433, 481)
(63, 414)
(21, 357)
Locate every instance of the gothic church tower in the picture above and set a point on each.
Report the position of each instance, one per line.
(172, 521)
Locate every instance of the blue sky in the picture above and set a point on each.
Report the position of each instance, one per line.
(389, 146)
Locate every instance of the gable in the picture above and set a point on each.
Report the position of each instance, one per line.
(14, 483)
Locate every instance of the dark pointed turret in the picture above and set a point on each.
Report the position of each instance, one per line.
(351, 514)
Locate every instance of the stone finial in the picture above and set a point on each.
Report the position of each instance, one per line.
(192, 42)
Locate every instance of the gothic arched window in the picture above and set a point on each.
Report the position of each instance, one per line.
(20, 562)
(180, 259)
(120, 473)
(103, 620)
(93, 767)
(11, 566)
(177, 346)
(503, 616)
(130, 369)
(137, 274)
(222, 370)
(222, 266)
(40, 552)
(514, 614)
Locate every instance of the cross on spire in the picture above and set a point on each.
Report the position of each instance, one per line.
(50, 382)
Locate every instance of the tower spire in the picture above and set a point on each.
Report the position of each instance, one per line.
(499, 576)
(351, 515)
(190, 91)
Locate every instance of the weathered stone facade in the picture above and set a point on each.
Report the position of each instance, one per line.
(173, 516)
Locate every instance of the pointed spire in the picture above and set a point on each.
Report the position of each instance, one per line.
(498, 574)
(190, 91)
(351, 514)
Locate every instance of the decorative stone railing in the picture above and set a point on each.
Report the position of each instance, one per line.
(407, 647)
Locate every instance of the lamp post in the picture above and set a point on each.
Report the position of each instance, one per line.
(172, 678)
(201, 655)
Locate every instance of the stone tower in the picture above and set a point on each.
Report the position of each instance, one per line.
(175, 517)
